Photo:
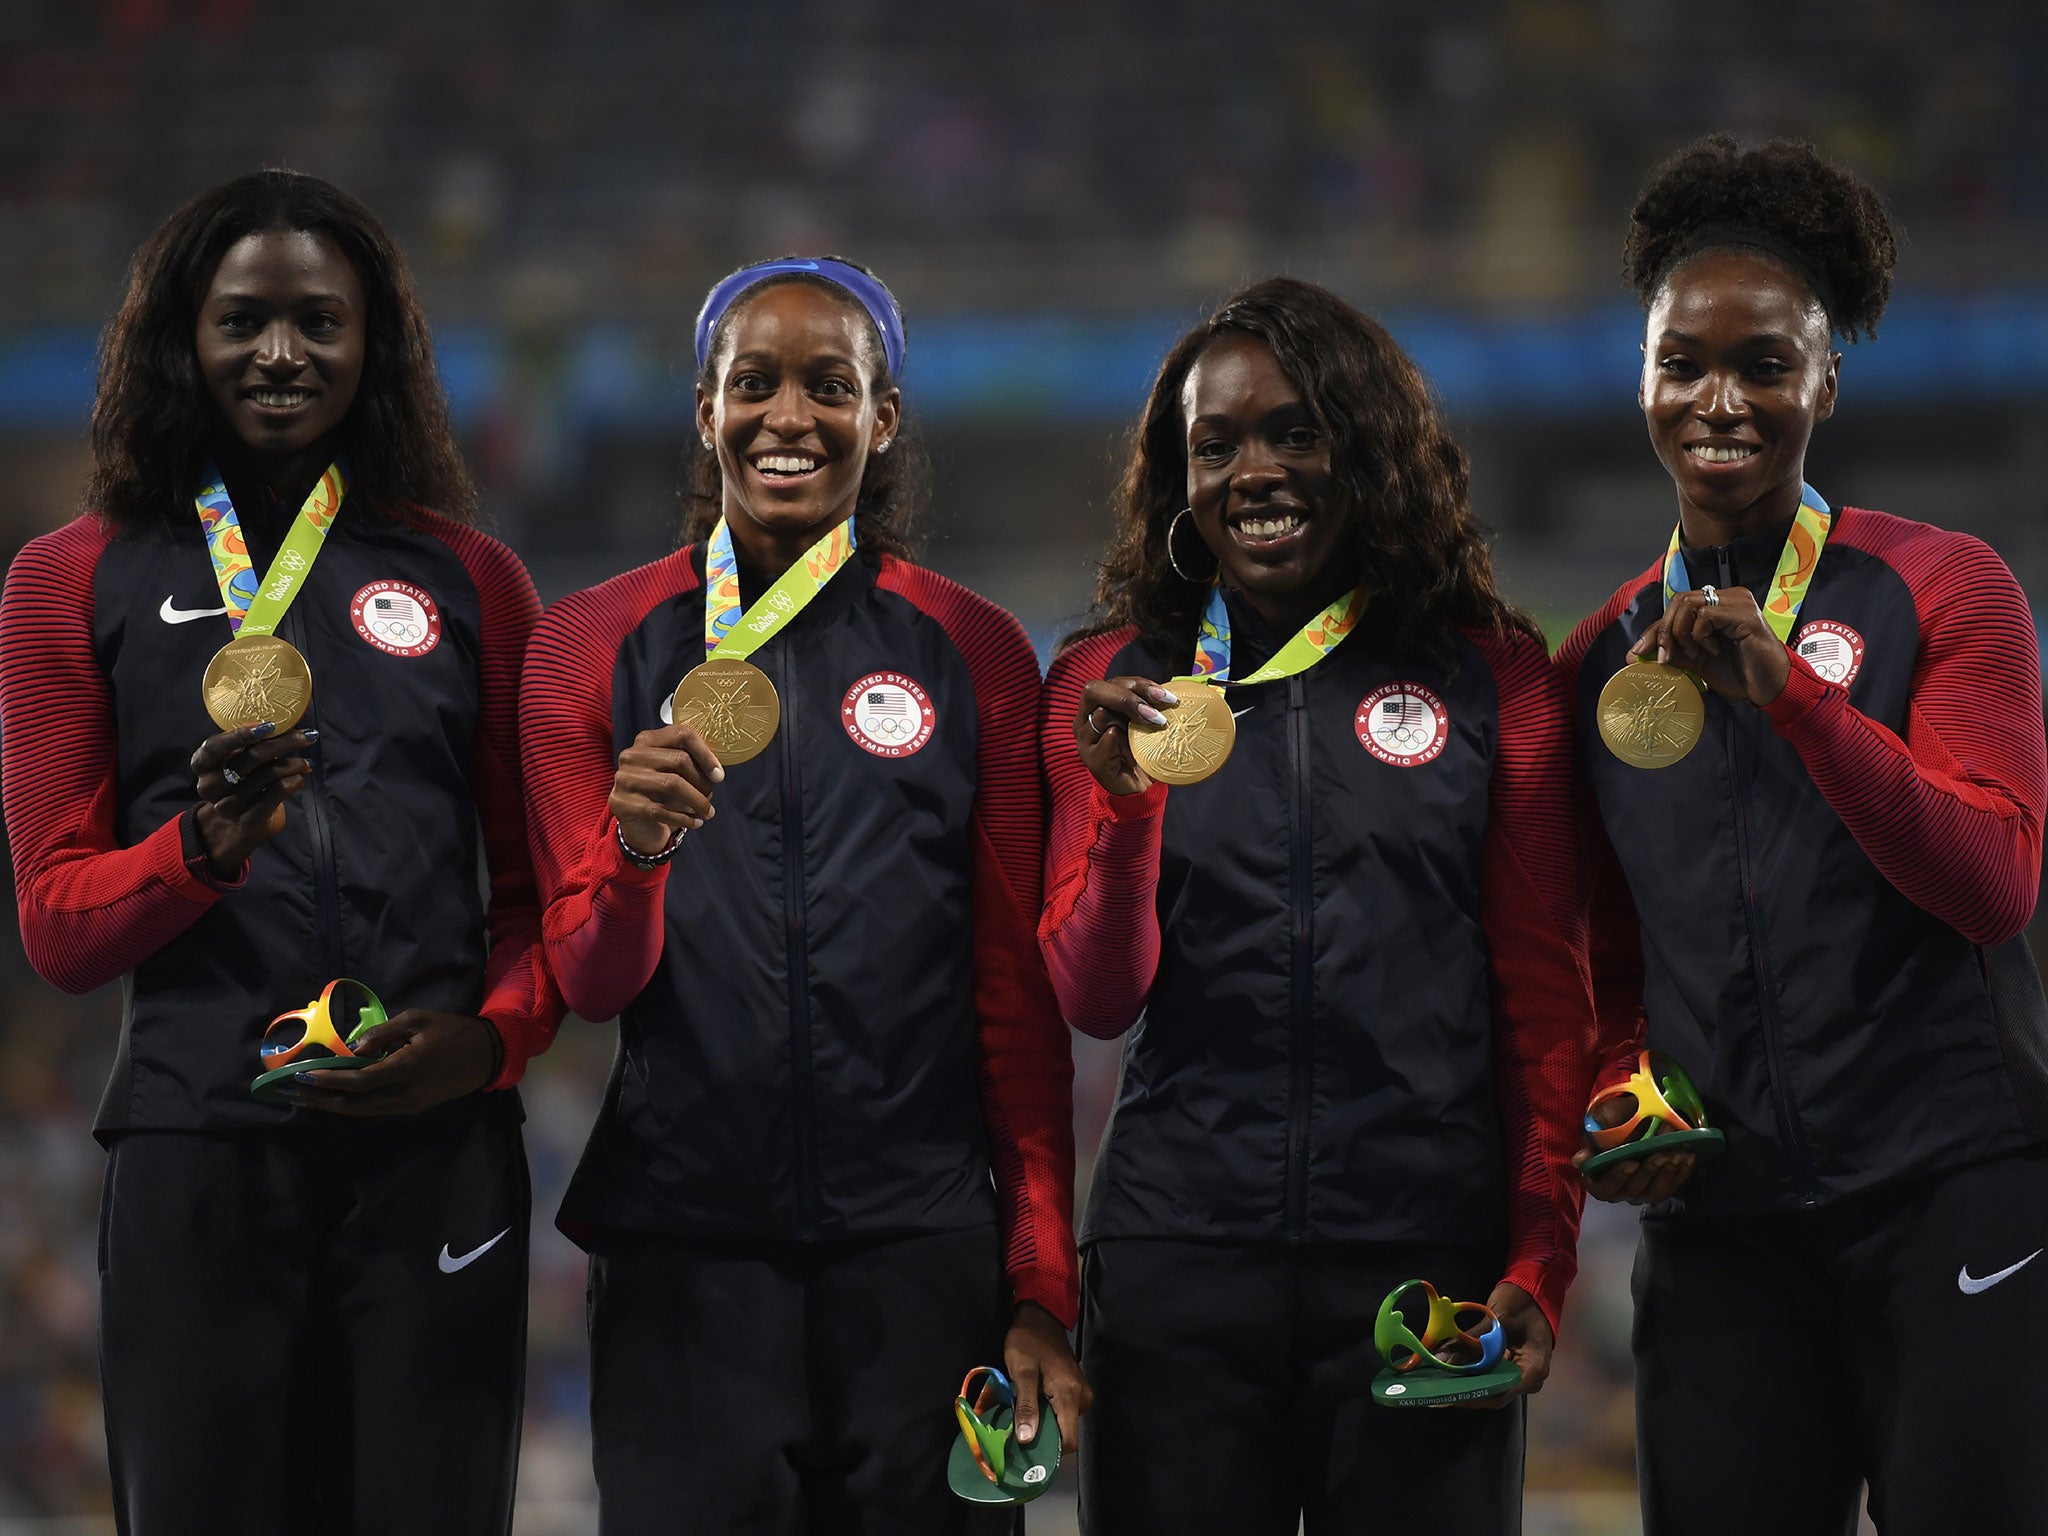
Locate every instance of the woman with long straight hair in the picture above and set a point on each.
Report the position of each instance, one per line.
(258, 712)
(1347, 943)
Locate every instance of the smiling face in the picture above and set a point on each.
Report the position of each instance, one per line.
(793, 415)
(281, 339)
(1260, 486)
(1737, 371)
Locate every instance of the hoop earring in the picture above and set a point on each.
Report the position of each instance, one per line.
(1172, 559)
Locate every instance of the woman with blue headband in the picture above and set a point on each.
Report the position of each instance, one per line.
(788, 830)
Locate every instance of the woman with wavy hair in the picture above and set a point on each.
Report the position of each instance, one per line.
(1348, 949)
(787, 817)
(258, 712)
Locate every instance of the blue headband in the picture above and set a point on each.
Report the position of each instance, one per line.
(872, 296)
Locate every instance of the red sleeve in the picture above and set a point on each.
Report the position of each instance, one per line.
(1100, 927)
(520, 1001)
(1614, 932)
(91, 911)
(1533, 907)
(603, 914)
(1951, 815)
(1027, 1079)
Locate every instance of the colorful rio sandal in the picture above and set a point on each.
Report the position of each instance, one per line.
(1668, 1116)
(317, 1037)
(1457, 1359)
(988, 1464)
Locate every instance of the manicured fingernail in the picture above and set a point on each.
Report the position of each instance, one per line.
(1663, 653)
(1026, 1433)
(312, 733)
(263, 728)
(718, 775)
(1164, 696)
(303, 1077)
(1150, 715)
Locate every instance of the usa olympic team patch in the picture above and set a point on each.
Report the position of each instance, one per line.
(397, 618)
(1833, 650)
(1403, 724)
(888, 714)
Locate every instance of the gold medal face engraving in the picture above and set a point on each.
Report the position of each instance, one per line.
(1651, 714)
(1197, 737)
(733, 706)
(254, 678)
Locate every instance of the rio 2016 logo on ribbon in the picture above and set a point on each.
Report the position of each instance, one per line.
(396, 617)
(888, 714)
(1403, 724)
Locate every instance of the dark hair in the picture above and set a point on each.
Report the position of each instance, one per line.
(152, 414)
(895, 487)
(1422, 556)
(1826, 223)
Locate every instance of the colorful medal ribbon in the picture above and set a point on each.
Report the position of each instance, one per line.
(1787, 592)
(1315, 640)
(730, 633)
(253, 608)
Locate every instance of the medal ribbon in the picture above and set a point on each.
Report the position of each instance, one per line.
(1315, 640)
(729, 632)
(258, 608)
(1787, 591)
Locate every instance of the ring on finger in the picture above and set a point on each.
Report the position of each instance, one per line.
(1712, 597)
(230, 775)
(1097, 729)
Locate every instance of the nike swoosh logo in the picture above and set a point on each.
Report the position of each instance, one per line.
(450, 1264)
(174, 615)
(1245, 711)
(1970, 1285)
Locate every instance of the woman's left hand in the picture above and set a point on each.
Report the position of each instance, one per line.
(1038, 1359)
(1529, 1339)
(1726, 644)
(417, 1060)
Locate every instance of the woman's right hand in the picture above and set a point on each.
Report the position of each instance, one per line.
(1102, 733)
(244, 778)
(663, 786)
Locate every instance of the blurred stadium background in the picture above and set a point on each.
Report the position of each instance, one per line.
(1053, 188)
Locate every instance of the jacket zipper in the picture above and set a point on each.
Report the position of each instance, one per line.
(1767, 1014)
(1789, 1129)
(1300, 1053)
(798, 964)
(320, 826)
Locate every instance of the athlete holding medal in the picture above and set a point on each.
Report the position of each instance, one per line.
(309, 1320)
(1815, 908)
(787, 816)
(1353, 929)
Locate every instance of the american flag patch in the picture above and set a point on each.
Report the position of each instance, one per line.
(886, 703)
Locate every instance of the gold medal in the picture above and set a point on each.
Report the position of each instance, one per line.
(1197, 737)
(733, 706)
(1651, 714)
(254, 678)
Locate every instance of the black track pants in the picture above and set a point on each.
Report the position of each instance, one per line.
(1232, 1397)
(1783, 1360)
(778, 1389)
(314, 1329)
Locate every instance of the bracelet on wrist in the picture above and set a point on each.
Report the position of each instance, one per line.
(641, 860)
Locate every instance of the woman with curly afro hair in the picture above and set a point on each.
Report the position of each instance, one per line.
(1347, 948)
(1818, 840)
